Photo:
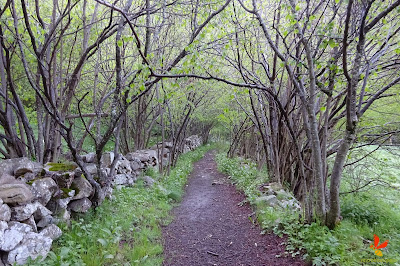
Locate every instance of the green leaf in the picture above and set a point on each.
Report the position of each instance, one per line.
(102, 242)
(64, 251)
(332, 43)
(119, 43)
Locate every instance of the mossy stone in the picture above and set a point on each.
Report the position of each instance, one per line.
(63, 167)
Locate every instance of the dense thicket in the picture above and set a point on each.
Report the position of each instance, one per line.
(288, 81)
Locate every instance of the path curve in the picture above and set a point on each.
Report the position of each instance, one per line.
(211, 228)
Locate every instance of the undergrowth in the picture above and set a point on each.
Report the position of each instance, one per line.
(127, 229)
(365, 214)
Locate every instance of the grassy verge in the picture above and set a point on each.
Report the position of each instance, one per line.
(365, 214)
(126, 230)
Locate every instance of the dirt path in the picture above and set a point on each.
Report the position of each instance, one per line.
(210, 228)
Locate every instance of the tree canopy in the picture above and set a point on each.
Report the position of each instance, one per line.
(293, 84)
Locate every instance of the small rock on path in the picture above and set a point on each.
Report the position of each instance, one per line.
(211, 228)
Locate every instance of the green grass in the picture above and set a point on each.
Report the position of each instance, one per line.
(127, 229)
(365, 214)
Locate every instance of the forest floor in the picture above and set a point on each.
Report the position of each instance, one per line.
(213, 225)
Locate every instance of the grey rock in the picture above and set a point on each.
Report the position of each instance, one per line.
(270, 200)
(41, 212)
(283, 195)
(89, 158)
(5, 212)
(78, 172)
(108, 171)
(163, 154)
(53, 205)
(13, 235)
(186, 148)
(131, 156)
(108, 191)
(107, 159)
(71, 193)
(24, 165)
(81, 205)
(33, 246)
(63, 180)
(148, 181)
(15, 192)
(292, 204)
(123, 166)
(83, 187)
(124, 180)
(269, 191)
(7, 167)
(31, 222)
(52, 231)
(63, 203)
(119, 187)
(191, 143)
(56, 205)
(27, 177)
(132, 179)
(3, 227)
(21, 213)
(43, 189)
(167, 144)
(147, 157)
(45, 221)
(136, 164)
(275, 186)
(19, 166)
(24, 212)
(120, 179)
(91, 168)
(64, 217)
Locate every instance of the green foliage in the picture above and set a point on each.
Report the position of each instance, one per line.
(243, 174)
(364, 215)
(363, 209)
(127, 229)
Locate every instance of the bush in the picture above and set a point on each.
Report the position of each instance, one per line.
(364, 215)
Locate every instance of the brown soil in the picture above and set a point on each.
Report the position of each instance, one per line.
(211, 227)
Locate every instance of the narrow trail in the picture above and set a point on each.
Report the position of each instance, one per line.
(211, 228)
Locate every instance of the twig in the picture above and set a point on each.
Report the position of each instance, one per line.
(212, 253)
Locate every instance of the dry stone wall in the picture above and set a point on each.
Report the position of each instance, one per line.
(34, 198)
